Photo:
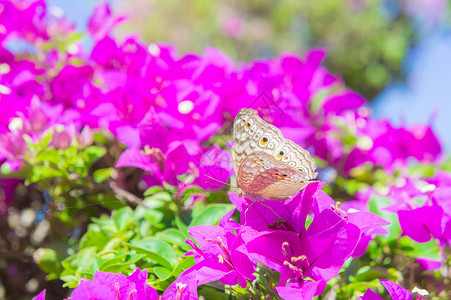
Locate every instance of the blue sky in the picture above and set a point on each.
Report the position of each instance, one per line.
(77, 11)
(426, 97)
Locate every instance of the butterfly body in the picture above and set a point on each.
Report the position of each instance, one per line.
(267, 165)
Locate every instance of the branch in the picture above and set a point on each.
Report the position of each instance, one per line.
(123, 194)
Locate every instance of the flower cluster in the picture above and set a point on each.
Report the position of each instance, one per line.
(422, 209)
(275, 235)
(151, 99)
(113, 286)
(171, 117)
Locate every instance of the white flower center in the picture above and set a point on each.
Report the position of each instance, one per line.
(185, 107)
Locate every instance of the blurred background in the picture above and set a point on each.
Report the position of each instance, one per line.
(397, 53)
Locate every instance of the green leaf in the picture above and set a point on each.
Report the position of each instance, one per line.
(120, 262)
(102, 175)
(446, 165)
(182, 227)
(122, 217)
(49, 261)
(73, 37)
(71, 281)
(39, 173)
(116, 243)
(82, 264)
(45, 139)
(192, 190)
(100, 232)
(108, 201)
(414, 249)
(153, 190)
(173, 236)
(85, 259)
(157, 200)
(49, 156)
(206, 292)
(162, 273)
(156, 250)
(154, 217)
(211, 215)
(366, 274)
(92, 153)
(360, 287)
(320, 96)
(183, 264)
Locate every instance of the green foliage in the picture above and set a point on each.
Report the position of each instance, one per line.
(138, 238)
(49, 261)
(210, 215)
(61, 171)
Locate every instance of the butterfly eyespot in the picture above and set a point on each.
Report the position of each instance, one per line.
(267, 167)
(263, 141)
(280, 155)
(292, 164)
(248, 125)
(243, 121)
(286, 158)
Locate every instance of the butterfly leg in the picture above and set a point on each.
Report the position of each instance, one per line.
(245, 212)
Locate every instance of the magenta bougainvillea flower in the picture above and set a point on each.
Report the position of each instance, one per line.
(294, 213)
(40, 296)
(102, 21)
(119, 84)
(216, 258)
(115, 286)
(163, 167)
(184, 287)
(274, 234)
(215, 167)
(148, 96)
(306, 289)
(396, 292)
(112, 286)
(25, 19)
(422, 208)
(8, 186)
(397, 144)
(356, 213)
(422, 223)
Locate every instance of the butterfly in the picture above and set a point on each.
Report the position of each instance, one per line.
(267, 165)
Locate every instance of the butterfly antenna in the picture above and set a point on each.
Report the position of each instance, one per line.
(225, 183)
(261, 202)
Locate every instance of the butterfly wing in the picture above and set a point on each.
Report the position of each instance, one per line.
(251, 133)
(261, 176)
(242, 144)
